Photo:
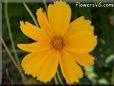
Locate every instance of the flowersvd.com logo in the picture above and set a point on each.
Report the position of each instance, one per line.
(95, 4)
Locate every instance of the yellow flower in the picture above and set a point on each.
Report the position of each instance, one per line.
(58, 42)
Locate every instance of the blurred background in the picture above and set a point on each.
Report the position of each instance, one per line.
(102, 72)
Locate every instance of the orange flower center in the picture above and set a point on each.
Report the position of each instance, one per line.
(57, 43)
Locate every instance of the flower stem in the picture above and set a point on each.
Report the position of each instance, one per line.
(29, 11)
(45, 5)
(10, 33)
(56, 81)
(12, 59)
(18, 66)
(59, 78)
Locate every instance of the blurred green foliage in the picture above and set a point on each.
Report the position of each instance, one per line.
(99, 73)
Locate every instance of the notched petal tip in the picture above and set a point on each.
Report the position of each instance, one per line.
(40, 10)
(29, 24)
(60, 2)
(92, 60)
(18, 45)
(92, 63)
(44, 81)
(80, 18)
(72, 82)
(84, 19)
(89, 21)
(25, 72)
(21, 23)
(96, 37)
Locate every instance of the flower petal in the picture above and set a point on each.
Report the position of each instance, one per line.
(50, 67)
(40, 65)
(33, 62)
(70, 69)
(83, 42)
(32, 31)
(83, 59)
(79, 25)
(34, 47)
(59, 15)
(43, 22)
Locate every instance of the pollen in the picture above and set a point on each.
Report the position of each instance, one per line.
(57, 43)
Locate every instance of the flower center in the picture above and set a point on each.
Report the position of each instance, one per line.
(57, 43)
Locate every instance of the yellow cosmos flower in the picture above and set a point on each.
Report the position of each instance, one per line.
(58, 42)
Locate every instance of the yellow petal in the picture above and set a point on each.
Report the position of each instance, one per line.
(32, 31)
(34, 47)
(59, 15)
(40, 65)
(82, 42)
(49, 68)
(79, 25)
(70, 69)
(33, 62)
(83, 59)
(43, 22)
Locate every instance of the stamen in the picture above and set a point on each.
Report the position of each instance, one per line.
(57, 43)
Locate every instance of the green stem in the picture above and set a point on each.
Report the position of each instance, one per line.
(11, 39)
(59, 78)
(12, 59)
(45, 5)
(56, 81)
(10, 33)
(29, 11)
